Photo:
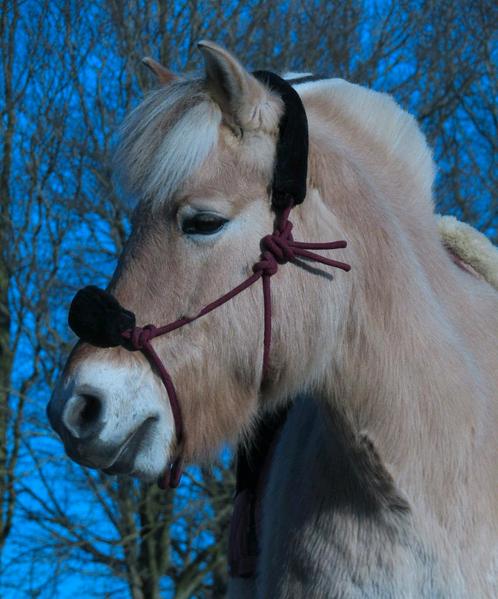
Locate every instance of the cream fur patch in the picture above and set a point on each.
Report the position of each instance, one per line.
(471, 246)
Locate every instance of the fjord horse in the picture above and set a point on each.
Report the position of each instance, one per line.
(384, 479)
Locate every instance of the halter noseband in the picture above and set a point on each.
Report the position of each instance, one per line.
(97, 317)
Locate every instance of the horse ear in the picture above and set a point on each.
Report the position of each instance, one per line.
(235, 90)
(163, 75)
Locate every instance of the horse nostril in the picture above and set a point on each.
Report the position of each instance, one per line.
(83, 415)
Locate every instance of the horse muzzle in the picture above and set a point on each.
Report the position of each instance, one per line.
(114, 418)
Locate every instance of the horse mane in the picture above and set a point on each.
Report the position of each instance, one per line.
(382, 119)
(170, 134)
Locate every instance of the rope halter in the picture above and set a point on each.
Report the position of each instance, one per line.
(278, 249)
(98, 318)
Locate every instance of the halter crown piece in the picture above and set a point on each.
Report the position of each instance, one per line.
(97, 317)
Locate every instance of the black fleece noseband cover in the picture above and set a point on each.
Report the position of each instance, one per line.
(291, 164)
(98, 318)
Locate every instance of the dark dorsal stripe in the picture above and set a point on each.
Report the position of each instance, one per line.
(305, 79)
(291, 163)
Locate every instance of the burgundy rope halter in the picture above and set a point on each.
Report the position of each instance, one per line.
(277, 249)
(98, 318)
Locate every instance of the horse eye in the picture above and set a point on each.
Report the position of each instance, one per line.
(203, 224)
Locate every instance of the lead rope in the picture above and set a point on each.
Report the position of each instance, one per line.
(277, 249)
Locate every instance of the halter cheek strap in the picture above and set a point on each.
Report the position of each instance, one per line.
(291, 159)
(98, 318)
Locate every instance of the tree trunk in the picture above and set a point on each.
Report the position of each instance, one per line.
(7, 462)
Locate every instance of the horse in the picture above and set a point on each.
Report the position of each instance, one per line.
(383, 480)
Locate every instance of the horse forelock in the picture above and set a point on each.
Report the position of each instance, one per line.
(165, 140)
(179, 132)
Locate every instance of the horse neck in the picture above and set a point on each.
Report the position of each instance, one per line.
(399, 372)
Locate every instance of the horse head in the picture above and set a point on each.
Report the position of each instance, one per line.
(212, 163)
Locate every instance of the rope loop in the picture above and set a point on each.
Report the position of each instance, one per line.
(140, 336)
(267, 266)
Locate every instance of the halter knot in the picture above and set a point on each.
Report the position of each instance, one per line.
(277, 249)
(140, 336)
